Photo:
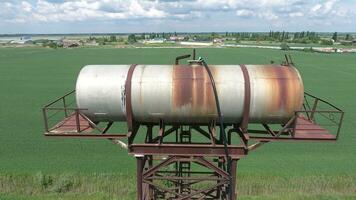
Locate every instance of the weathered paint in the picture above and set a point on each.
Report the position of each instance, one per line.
(192, 88)
(183, 94)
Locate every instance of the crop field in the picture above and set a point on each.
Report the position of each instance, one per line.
(34, 167)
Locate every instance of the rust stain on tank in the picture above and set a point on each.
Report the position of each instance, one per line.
(192, 87)
(182, 85)
(284, 83)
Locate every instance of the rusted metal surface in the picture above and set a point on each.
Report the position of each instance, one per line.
(192, 91)
(174, 185)
(187, 149)
(185, 94)
(139, 181)
(283, 91)
(94, 136)
(75, 123)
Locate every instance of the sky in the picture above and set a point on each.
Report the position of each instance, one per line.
(124, 16)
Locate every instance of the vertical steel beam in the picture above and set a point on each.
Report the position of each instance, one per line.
(139, 177)
(233, 178)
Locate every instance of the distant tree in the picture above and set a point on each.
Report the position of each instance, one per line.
(113, 38)
(50, 44)
(121, 39)
(132, 38)
(334, 37)
(284, 46)
(152, 35)
(302, 34)
(214, 35)
(143, 36)
(283, 36)
(348, 37)
(326, 42)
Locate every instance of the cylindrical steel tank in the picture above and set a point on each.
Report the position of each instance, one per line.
(183, 93)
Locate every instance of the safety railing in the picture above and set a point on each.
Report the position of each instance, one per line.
(58, 108)
(59, 111)
(63, 119)
(322, 113)
(319, 120)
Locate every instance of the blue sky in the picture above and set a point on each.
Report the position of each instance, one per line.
(87, 16)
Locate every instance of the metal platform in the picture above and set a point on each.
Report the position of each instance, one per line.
(165, 167)
(303, 126)
(193, 161)
(75, 123)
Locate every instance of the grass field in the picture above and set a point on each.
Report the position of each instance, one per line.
(35, 167)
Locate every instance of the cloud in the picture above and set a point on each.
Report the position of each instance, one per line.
(296, 14)
(26, 7)
(266, 14)
(325, 9)
(269, 16)
(244, 13)
(54, 11)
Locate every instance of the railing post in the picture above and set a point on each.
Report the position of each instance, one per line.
(77, 119)
(313, 109)
(65, 107)
(45, 119)
(340, 123)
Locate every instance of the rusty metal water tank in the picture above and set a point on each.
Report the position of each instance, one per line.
(183, 93)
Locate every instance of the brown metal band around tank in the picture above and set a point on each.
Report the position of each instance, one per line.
(128, 102)
(190, 87)
(247, 99)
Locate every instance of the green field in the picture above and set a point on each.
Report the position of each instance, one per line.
(35, 167)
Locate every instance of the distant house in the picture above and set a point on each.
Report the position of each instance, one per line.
(354, 42)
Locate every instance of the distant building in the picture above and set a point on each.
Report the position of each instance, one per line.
(22, 40)
(176, 38)
(354, 42)
(155, 41)
(92, 43)
(218, 40)
(197, 43)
